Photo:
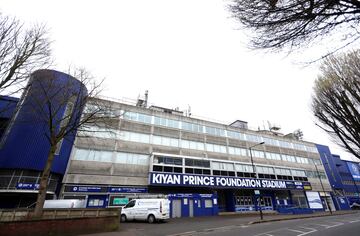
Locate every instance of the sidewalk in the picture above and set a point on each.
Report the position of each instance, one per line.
(254, 217)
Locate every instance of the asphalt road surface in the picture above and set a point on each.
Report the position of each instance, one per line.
(338, 225)
(348, 225)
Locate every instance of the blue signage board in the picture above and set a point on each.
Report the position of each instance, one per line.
(95, 189)
(171, 179)
(127, 190)
(354, 170)
(27, 186)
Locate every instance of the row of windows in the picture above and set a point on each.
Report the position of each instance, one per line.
(314, 174)
(187, 144)
(226, 168)
(214, 131)
(108, 156)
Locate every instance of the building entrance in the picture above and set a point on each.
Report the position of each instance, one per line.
(266, 203)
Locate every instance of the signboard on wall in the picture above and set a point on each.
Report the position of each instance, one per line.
(27, 186)
(127, 190)
(314, 200)
(171, 179)
(354, 170)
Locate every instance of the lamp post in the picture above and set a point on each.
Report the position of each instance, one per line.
(253, 170)
(322, 186)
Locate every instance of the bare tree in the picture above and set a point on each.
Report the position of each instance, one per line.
(336, 100)
(21, 52)
(59, 105)
(296, 23)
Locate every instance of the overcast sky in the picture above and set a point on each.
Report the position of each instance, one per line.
(186, 53)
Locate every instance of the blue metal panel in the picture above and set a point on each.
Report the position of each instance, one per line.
(330, 164)
(7, 106)
(26, 146)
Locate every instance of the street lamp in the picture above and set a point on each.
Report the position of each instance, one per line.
(322, 186)
(253, 170)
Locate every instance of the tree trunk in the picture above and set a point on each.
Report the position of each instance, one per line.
(43, 183)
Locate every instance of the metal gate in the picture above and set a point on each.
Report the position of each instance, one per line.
(176, 208)
(191, 208)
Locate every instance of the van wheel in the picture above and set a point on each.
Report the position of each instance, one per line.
(123, 218)
(151, 219)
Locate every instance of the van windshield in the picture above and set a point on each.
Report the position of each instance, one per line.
(130, 204)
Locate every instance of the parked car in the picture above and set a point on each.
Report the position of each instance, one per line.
(151, 210)
(355, 206)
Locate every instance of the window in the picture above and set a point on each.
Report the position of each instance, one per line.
(168, 160)
(265, 170)
(192, 145)
(192, 127)
(214, 131)
(302, 160)
(237, 151)
(243, 168)
(299, 146)
(166, 122)
(222, 166)
(132, 158)
(208, 203)
(137, 117)
(130, 204)
(259, 154)
(92, 155)
(134, 137)
(288, 158)
(198, 163)
(285, 144)
(235, 135)
(282, 171)
(273, 156)
(253, 138)
(215, 148)
(270, 141)
(165, 141)
(299, 173)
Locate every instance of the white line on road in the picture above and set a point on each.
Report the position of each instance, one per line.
(312, 230)
(354, 221)
(321, 225)
(296, 231)
(335, 225)
(183, 234)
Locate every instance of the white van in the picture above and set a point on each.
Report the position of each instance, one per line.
(152, 210)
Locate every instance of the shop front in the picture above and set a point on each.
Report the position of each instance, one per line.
(236, 194)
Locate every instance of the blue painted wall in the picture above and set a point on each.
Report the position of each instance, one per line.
(338, 172)
(26, 146)
(7, 106)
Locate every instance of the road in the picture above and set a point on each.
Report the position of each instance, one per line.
(348, 225)
(340, 225)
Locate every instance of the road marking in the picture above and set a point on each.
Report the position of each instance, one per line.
(321, 225)
(335, 225)
(354, 221)
(271, 231)
(312, 230)
(307, 228)
(296, 231)
(183, 234)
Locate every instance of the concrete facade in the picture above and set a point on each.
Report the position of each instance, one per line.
(132, 144)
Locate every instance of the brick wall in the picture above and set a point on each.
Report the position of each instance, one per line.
(59, 227)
